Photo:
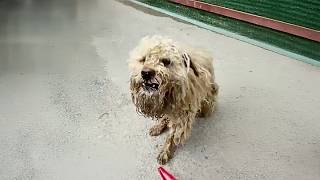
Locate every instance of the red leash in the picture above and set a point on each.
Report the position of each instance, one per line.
(165, 174)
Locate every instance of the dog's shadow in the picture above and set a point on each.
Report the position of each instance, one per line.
(204, 136)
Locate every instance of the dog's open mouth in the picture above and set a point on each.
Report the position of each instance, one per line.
(151, 85)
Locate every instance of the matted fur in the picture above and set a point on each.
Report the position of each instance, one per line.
(187, 88)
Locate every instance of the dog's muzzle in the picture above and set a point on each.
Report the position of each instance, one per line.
(150, 82)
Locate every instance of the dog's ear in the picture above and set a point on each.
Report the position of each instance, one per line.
(189, 64)
(194, 68)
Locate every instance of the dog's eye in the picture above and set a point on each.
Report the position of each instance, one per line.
(166, 62)
(142, 60)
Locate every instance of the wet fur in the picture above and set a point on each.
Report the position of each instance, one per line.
(187, 88)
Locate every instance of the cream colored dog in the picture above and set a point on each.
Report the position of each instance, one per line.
(174, 84)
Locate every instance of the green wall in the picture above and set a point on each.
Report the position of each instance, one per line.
(300, 12)
(298, 45)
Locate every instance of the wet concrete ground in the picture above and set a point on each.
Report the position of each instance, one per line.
(65, 110)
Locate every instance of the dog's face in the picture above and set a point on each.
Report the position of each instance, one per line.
(159, 67)
(158, 71)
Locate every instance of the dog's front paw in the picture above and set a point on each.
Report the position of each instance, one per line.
(156, 130)
(164, 157)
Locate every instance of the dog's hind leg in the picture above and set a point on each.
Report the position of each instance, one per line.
(159, 128)
(208, 105)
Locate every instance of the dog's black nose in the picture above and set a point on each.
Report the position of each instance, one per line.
(147, 73)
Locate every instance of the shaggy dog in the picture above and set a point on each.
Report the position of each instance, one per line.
(173, 84)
